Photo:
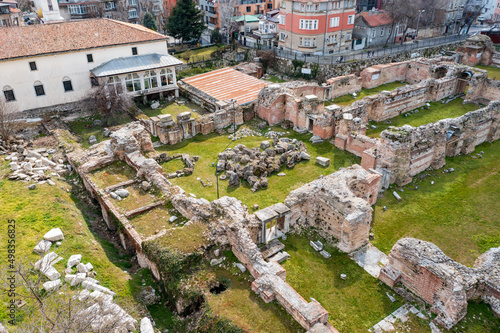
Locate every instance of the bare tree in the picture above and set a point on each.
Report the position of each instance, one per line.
(227, 10)
(108, 100)
(8, 123)
(472, 10)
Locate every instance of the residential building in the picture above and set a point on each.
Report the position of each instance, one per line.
(10, 14)
(132, 11)
(316, 27)
(496, 15)
(49, 9)
(374, 29)
(454, 12)
(46, 65)
(268, 28)
(212, 9)
(367, 5)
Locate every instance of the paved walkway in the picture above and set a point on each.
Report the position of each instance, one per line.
(370, 258)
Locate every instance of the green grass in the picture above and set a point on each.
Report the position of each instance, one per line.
(173, 165)
(460, 208)
(37, 211)
(347, 100)
(354, 304)
(436, 112)
(274, 79)
(84, 128)
(173, 109)
(245, 308)
(199, 54)
(115, 173)
(493, 72)
(209, 146)
(186, 239)
(149, 223)
(137, 198)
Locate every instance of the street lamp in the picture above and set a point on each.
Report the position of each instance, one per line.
(418, 21)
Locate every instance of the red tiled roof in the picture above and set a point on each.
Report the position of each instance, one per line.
(14, 10)
(226, 83)
(40, 39)
(376, 18)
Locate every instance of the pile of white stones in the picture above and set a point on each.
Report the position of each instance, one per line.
(102, 312)
(34, 165)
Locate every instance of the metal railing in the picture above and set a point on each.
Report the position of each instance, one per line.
(365, 53)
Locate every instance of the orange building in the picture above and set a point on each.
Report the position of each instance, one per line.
(317, 26)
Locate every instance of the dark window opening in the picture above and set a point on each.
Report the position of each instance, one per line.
(9, 95)
(134, 51)
(67, 85)
(39, 90)
(90, 58)
(33, 65)
(94, 82)
(249, 9)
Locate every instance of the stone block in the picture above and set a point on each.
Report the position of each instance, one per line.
(146, 326)
(54, 235)
(74, 260)
(50, 286)
(323, 161)
(42, 247)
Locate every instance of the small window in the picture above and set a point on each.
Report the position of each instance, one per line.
(9, 94)
(39, 91)
(33, 65)
(90, 58)
(67, 84)
(134, 51)
(249, 9)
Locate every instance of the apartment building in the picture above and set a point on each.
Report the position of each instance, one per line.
(316, 27)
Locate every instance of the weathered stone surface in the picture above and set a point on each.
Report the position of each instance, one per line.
(122, 193)
(74, 260)
(51, 286)
(42, 247)
(323, 161)
(146, 326)
(54, 235)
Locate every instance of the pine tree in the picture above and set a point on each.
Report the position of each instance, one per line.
(186, 21)
(150, 22)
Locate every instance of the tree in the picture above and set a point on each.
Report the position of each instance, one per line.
(227, 10)
(8, 123)
(185, 22)
(472, 10)
(107, 102)
(216, 36)
(150, 22)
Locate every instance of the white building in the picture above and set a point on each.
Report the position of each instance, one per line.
(47, 65)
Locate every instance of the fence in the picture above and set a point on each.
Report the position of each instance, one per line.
(363, 54)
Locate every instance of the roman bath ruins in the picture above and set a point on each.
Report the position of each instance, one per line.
(152, 186)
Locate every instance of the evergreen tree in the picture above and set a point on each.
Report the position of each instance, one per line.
(186, 21)
(150, 22)
(216, 36)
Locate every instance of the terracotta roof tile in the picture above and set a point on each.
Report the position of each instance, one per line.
(14, 10)
(40, 39)
(376, 19)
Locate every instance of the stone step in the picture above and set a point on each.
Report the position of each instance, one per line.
(273, 247)
(280, 257)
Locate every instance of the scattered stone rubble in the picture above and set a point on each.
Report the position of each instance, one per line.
(255, 166)
(442, 282)
(36, 165)
(101, 312)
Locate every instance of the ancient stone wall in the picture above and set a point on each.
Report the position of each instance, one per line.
(343, 85)
(338, 205)
(478, 49)
(438, 280)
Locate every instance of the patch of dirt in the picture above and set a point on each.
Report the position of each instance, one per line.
(45, 142)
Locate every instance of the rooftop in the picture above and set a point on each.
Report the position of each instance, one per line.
(38, 39)
(375, 19)
(135, 64)
(226, 83)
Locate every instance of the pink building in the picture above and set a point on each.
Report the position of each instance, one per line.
(316, 27)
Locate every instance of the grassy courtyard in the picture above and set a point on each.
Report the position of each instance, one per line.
(354, 304)
(173, 109)
(436, 112)
(493, 72)
(459, 208)
(197, 55)
(209, 146)
(347, 100)
(245, 308)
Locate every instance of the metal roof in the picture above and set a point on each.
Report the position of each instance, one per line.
(135, 64)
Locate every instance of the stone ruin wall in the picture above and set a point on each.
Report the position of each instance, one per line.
(343, 85)
(231, 223)
(447, 285)
(338, 205)
(478, 49)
